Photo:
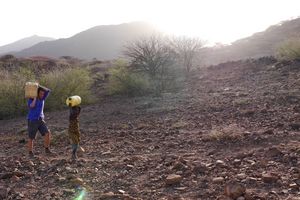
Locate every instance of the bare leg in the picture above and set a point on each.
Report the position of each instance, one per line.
(47, 140)
(30, 145)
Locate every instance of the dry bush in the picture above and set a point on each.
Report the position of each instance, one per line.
(230, 133)
(289, 50)
(241, 101)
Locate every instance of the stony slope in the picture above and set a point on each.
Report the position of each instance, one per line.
(235, 122)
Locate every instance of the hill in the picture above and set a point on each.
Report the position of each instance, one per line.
(105, 42)
(101, 42)
(234, 122)
(258, 45)
(23, 44)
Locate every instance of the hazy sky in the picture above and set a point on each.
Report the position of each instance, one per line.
(213, 20)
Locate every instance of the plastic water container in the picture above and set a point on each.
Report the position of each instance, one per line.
(31, 89)
(73, 101)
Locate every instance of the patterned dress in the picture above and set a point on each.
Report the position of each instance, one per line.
(74, 132)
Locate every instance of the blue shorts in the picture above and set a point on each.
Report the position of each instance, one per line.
(37, 125)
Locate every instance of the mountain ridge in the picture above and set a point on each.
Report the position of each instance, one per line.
(257, 45)
(101, 42)
(23, 44)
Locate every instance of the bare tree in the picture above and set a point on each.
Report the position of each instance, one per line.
(187, 50)
(150, 55)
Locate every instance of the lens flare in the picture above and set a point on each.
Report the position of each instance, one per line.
(81, 195)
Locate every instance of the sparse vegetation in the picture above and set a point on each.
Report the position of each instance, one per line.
(124, 82)
(289, 50)
(61, 82)
(243, 101)
(196, 134)
(150, 55)
(187, 49)
(12, 95)
(161, 60)
(231, 133)
(64, 83)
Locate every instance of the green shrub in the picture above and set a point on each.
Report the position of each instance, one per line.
(289, 50)
(12, 101)
(64, 83)
(124, 82)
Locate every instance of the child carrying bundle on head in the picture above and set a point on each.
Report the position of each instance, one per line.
(74, 132)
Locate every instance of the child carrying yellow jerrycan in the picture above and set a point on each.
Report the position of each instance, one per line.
(74, 133)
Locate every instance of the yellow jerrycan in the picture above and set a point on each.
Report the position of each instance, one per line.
(73, 101)
(31, 89)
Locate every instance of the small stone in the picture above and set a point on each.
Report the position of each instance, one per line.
(108, 195)
(106, 153)
(293, 186)
(220, 163)
(241, 176)
(68, 191)
(121, 191)
(61, 178)
(285, 191)
(251, 180)
(81, 149)
(129, 166)
(173, 179)
(269, 178)
(181, 188)
(273, 152)
(18, 173)
(15, 178)
(237, 161)
(68, 169)
(241, 198)
(234, 190)
(30, 163)
(28, 175)
(218, 180)
(251, 162)
(77, 181)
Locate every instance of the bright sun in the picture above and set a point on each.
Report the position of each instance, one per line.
(216, 20)
(211, 20)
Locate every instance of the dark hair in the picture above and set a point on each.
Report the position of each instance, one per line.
(41, 89)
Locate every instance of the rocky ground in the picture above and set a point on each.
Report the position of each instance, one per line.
(231, 133)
